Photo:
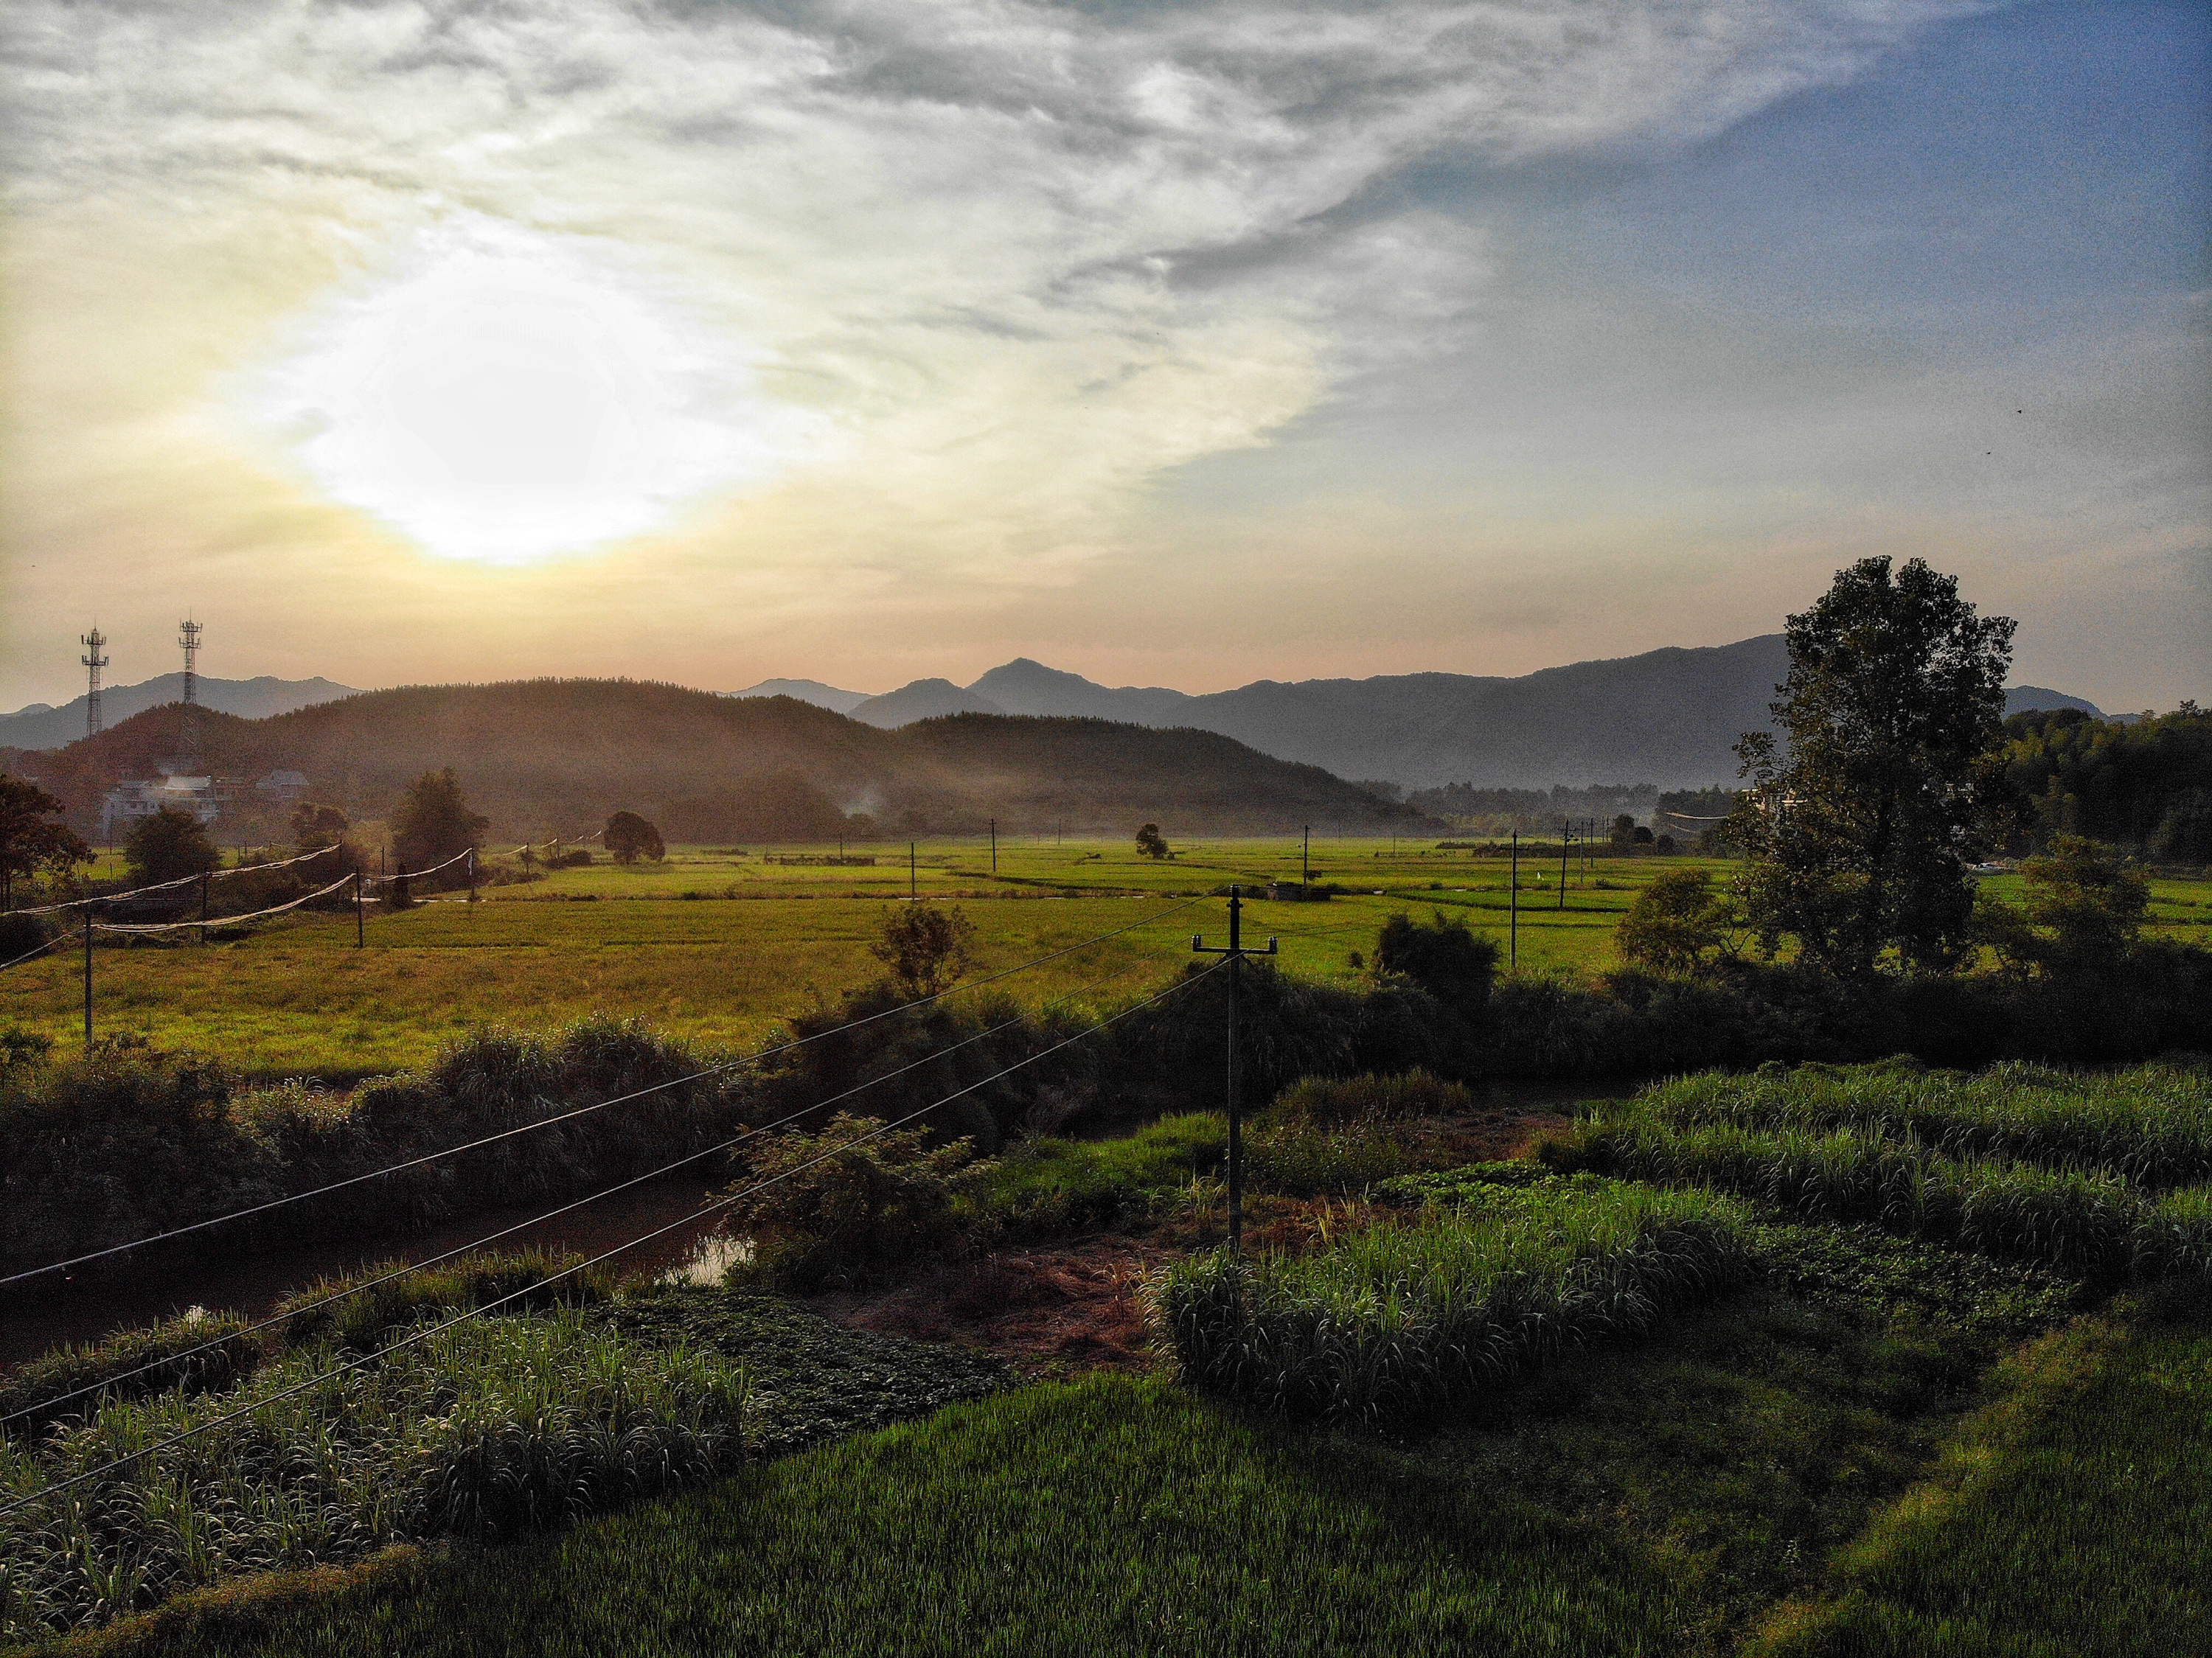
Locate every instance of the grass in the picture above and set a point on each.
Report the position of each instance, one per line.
(2151, 1124)
(2094, 1226)
(1651, 1499)
(1049, 1186)
(1402, 1321)
(2073, 1516)
(490, 1430)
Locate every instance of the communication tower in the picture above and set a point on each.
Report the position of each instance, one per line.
(94, 643)
(188, 730)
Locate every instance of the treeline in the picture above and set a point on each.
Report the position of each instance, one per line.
(2146, 786)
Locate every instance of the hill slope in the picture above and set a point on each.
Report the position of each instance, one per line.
(556, 756)
(1668, 717)
(42, 726)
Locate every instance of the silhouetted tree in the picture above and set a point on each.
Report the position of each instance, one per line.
(1150, 843)
(169, 845)
(629, 837)
(1858, 831)
(29, 845)
(314, 827)
(925, 947)
(433, 823)
(1443, 957)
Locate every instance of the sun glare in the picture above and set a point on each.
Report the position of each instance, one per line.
(502, 396)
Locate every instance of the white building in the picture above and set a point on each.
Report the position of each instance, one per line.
(128, 802)
(283, 785)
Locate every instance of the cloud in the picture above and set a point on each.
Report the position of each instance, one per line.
(1004, 263)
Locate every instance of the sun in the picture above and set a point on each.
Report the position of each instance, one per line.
(501, 395)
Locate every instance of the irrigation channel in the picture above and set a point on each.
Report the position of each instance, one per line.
(252, 1282)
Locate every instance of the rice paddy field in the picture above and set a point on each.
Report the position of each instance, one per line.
(716, 944)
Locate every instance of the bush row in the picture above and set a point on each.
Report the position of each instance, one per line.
(2151, 1124)
(2094, 1226)
(1402, 1321)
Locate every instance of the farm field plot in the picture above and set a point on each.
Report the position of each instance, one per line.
(718, 944)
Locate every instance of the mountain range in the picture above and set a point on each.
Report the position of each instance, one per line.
(1668, 717)
(42, 725)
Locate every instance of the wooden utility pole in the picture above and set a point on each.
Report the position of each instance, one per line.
(360, 916)
(1235, 952)
(1513, 910)
(87, 975)
(1305, 858)
(994, 846)
(1566, 838)
(913, 880)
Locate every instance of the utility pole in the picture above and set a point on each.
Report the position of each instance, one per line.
(87, 975)
(1235, 953)
(1513, 910)
(1566, 837)
(1305, 858)
(360, 918)
(472, 875)
(994, 846)
(913, 882)
(203, 906)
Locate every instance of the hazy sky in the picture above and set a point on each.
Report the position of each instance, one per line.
(1179, 344)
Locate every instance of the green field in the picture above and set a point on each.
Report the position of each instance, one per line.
(718, 944)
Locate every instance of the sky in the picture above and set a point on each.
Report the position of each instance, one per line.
(1174, 344)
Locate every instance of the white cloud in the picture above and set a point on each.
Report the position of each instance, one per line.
(1016, 257)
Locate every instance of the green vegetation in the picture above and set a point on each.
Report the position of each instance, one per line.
(2147, 786)
(2151, 1124)
(1399, 1321)
(180, 1355)
(1050, 1186)
(2074, 1515)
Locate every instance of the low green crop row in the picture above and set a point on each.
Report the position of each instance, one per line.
(2093, 1226)
(2151, 1124)
(1401, 1321)
(484, 1430)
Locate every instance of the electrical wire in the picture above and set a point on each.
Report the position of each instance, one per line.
(58, 939)
(568, 1116)
(722, 1203)
(291, 1313)
(222, 920)
(182, 881)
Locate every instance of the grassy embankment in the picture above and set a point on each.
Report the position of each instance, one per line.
(668, 943)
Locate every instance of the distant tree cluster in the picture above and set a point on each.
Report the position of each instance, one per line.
(30, 843)
(2146, 786)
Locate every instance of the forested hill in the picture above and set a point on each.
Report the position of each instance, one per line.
(556, 756)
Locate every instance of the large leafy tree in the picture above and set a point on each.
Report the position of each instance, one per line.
(433, 822)
(629, 837)
(29, 844)
(1858, 825)
(169, 845)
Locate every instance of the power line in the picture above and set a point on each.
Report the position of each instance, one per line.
(182, 881)
(568, 1116)
(222, 920)
(291, 1313)
(355, 1364)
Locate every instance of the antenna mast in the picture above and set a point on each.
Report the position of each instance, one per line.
(188, 636)
(93, 642)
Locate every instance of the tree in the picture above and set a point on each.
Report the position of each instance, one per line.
(1857, 835)
(2093, 904)
(1444, 957)
(1678, 924)
(169, 845)
(629, 837)
(926, 948)
(1150, 843)
(29, 845)
(315, 827)
(433, 823)
(1624, 833)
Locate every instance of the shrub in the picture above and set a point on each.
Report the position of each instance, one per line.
(1472, 1182)
(926, 947)
(1677, 924)
(1332, 1100)
(841, 1215)
(1404, 1320)
(1443, 957)
(20, 934)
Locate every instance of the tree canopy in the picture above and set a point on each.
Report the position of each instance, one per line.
(628, 837)
(169, 845)
(433, 822)
(29, 844)
(1858, 826)
(926, 948)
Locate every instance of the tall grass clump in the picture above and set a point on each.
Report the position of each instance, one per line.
(1404, 1320)
(189, 1355)
(2093, 1226)
(482, 1432)
(2151, 1124)
(1335, 1101)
